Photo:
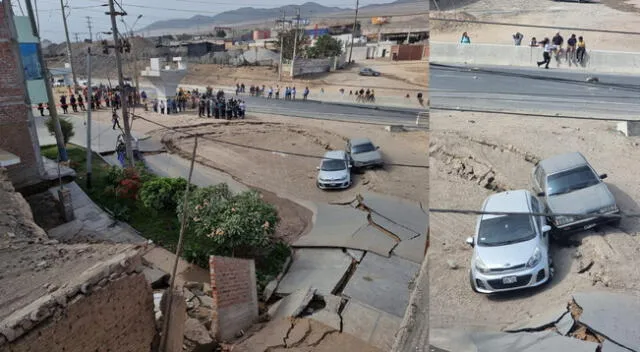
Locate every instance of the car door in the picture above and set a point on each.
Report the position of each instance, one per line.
(540, 221)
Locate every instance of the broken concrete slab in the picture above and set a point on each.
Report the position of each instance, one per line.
(356, 254)
(156, 277)
(539, 321)
(400, 211)
(565, 324)
(294, 304)
(329, 315)
(608, 346)
(412, 250)
(529, 342)
(629, 128)
(333, 226)
(322, 269)
(271, 335)
(402, 232)
(382, 283)
(318, 332)
(196, 332)
(370, 324)
(66, 231)
(269, 289)
(612, 315)
(371, 239)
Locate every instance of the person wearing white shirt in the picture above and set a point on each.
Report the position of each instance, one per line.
(546, 55)
(242, 107)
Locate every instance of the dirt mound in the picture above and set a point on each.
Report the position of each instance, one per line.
(444, 26)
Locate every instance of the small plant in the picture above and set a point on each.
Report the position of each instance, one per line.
(121, 212)
(65, 125)
(162, 193)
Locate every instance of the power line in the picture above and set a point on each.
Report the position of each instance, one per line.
(511, 24)
(527, 114)
(508, 213)
(269, 150)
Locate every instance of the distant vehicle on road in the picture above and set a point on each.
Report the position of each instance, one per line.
(367, 71)
(334, 171)
(363, 153)
(568, 184)
(510, 252)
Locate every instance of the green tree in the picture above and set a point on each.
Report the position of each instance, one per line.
(163, 193)
(65, 125)
(325, 46)
(221, 33)
(287, 38)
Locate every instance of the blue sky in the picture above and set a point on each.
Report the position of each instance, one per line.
(50, 15)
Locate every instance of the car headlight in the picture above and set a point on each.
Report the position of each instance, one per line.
(480, 266)
(562, 220)
(535, 258)
(609, 209)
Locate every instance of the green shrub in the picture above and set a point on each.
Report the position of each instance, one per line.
(65, 125)
(221, 223)
(162, 193)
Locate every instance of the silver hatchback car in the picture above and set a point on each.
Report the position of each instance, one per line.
(334, 171)
(510, 252)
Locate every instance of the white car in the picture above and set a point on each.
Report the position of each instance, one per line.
(510, 252)
(334, 171)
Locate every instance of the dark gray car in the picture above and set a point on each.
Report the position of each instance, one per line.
(363, 153)
(568, 184)
(369, 72)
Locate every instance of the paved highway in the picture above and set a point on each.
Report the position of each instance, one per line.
(534, 90)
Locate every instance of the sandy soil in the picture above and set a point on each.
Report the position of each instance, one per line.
(499, 147)
(293, 176)
(607, 14)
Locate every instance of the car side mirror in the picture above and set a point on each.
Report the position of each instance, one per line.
(470, 241)
(546, 228)
(541, 194)
(317, 167)
(377, 147)
(603, 176)
(350, 166)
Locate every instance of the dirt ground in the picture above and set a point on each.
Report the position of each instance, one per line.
(473, 155)
(294, 176)
(618, 15)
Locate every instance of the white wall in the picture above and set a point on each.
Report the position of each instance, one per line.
(511, 55)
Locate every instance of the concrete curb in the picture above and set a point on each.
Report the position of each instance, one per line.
(383, 108)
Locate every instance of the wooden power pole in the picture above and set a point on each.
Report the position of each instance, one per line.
(295, 41)
(353, 32)
(69, 51)
(282, 34)
(125, 113)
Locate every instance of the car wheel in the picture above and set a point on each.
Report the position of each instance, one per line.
(616, 222)
(552, 270)
(473, 285)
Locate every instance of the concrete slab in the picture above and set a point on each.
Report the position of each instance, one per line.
(301, 329)
(400, 211)
(382, 283)
(333, 226)
(458, 340)
(539, 321)
(370, 324)
(356, 254)
(329, 314)
(613, 315)
(322, 269)
(412, 250)
(156, 277)
(294, 304)
(370, 239)
(403, 233)
(565, 324)
(529, 342)
(608, 346)
(171, 165)
(150, 145)
(51, 170)
(66, 231)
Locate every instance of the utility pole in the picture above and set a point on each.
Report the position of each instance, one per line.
(125, 115)
(51, 101)
(89, 152)
(69, 52)
(353, 32)
(76, 34)
(281, 45)
(295, 40)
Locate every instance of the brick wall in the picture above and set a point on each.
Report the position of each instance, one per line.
(15, 136)
(117, 317)
(235, 296)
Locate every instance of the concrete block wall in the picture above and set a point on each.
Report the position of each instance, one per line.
(15, 134)
(511, 55)
(108, 308)
(235, 295)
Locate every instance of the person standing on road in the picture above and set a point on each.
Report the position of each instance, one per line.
(571, 49)
(161, 107)
(41, 108)
(74, 105)
(546, 55)
(293, 93)
(465, 39)
(115, 121)
(81, 103)
(557, 42)
(306, 93)
(582, 49)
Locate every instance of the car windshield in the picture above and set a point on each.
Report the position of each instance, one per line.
(571, 180)
(505, 230)
(362, 148)
(332, 165)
